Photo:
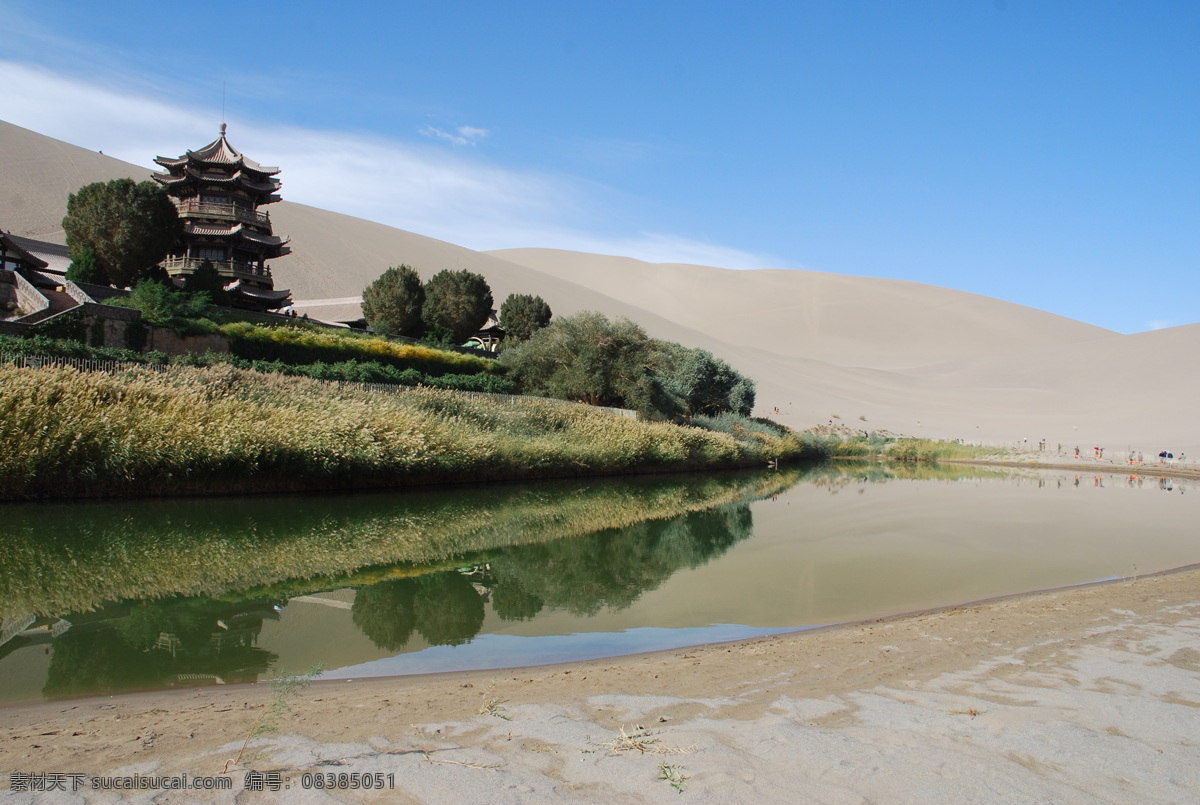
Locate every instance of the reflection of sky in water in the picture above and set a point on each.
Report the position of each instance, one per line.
(508, 651)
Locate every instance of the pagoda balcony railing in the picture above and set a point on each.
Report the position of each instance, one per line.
(234, 269)
(234, 212)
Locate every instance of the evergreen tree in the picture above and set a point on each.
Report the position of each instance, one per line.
(522, 315)
(460, 301)
(393, 303)
(86, 268)
(130, 226)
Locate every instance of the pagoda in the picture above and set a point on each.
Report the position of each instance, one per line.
(217, 192)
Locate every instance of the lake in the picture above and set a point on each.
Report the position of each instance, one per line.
(133, 595)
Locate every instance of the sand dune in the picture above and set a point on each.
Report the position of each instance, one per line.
(849, 321)
(862, 352)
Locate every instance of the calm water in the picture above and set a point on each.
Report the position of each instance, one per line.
(98, 598)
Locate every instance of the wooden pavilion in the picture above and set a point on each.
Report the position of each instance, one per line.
(218, 192)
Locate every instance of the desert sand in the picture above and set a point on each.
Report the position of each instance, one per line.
(1072, 696)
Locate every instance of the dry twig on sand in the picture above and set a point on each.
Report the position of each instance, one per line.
(457, 763)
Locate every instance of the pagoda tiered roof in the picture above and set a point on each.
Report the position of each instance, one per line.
(190, 174)
(217, 230)
(270, 298)
(218, 164)
(217, 191)
(218, 152)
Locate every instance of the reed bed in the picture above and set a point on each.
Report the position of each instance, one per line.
(937, 450)
(224, 430)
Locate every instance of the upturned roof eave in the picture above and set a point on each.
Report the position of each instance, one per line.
(219, 152)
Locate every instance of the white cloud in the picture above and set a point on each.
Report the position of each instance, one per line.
(461, 199)
(658, 248)
(1159, 324)
(466, 135)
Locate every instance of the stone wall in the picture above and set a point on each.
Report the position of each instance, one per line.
(162, 339)
(116, 327)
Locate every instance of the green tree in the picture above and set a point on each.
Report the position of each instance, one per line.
(161, 304)
(588, 358)
(741, 397)
(702, 383)
(206, 279)
(131, 227)
(86, 268)
(460, 301)
(393, 303)
(522, 315)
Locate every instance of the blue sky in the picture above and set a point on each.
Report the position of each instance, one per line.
(1046, 153)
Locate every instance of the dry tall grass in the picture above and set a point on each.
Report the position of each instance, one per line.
(223, 430)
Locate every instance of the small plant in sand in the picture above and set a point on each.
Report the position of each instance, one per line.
(283, 690)
(642, 741)
(673, 775)
(492, 704)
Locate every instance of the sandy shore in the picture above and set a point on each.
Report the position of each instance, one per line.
(1085, 465)
(1079, 695)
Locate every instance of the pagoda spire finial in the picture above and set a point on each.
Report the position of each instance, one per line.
(222, 129)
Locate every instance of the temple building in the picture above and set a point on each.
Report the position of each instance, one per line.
(218, 192)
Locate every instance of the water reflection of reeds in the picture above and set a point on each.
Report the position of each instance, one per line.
(73, 558)
(136, 596)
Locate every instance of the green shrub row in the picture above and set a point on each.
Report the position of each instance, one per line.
(305, 346)
(351, 371)
(354, 371)
(371, 372)
(71, 348)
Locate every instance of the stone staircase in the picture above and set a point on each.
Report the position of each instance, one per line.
(60, 301)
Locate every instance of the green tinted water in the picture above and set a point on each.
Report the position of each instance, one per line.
(107, 597)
